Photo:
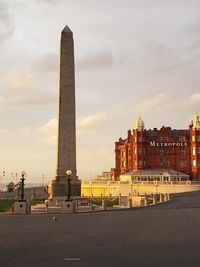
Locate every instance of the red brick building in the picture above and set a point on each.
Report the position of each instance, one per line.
(165, 148)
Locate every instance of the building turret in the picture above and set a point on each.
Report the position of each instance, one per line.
(195, 147)
(196, 122)
(139, 124)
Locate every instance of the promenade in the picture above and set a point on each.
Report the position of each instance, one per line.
(162, 235)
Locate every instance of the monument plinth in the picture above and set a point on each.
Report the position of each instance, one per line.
(66, 153)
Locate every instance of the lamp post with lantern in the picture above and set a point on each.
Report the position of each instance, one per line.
(23, 173)
(69, 173)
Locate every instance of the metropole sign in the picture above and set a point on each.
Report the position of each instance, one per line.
(153, 143)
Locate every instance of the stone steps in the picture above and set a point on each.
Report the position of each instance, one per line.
(41, 208)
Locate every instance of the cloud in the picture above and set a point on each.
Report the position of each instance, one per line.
(102, 59)
(46, 64)
(195, 99)
(6, 22)
(20, 81)
(32, 100)
(158, 3)
(166, 103)
(88, 125)
(51, 126)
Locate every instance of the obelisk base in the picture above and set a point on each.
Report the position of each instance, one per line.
(59, 188)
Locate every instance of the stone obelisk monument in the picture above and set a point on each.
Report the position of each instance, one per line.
(66, 153)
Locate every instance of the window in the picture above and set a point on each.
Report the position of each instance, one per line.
(193, 150)
(123, 154)
(140, 163)
(198, 163)
(140, 151)
(123, 164)
(193, 138)
(194, 163)
(161, 139)
(183, 163)
(167, 150)
(182, 138)
(161, 152)
(167, 163)
(135, 150)
(139, 139)
(135, 162)
(182, 151)
(161, 162)
(198, 150)
(166, 139)
(198, 138)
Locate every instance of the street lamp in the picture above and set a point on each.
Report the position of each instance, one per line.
(23, 173)
(69, 173)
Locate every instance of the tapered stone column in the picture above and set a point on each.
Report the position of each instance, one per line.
(66, 153)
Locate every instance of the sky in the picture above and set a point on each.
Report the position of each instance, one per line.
(131, 57)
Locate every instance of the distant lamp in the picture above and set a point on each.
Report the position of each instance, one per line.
(69, 173)
(23, 173)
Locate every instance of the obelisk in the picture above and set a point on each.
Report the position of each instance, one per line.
(66, 150)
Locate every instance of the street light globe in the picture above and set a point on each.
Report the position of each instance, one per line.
(69, 172)
(23, 173)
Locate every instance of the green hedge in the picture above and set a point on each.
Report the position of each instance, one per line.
(109, 202)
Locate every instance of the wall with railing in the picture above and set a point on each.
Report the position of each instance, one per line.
(91, 188)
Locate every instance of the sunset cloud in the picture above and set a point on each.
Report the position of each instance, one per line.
(131, 57)
(6, 22)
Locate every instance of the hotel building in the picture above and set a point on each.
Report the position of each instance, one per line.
(164, 149)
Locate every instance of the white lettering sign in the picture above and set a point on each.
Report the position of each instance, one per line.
(153, 143)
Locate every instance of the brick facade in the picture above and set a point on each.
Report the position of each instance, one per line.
(165, 148)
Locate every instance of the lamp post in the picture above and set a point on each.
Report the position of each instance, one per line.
(69, 173)
(23, 173)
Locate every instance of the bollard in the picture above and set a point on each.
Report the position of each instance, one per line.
(165, 197)
(154, 199)
(130, 203)
(146, 202)
(161, 197)
(120, 201)
(103, 204)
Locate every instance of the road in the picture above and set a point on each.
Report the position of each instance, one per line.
(163, 235)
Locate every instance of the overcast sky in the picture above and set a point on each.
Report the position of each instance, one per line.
(132, 57)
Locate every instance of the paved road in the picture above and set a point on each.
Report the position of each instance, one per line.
(165, 235)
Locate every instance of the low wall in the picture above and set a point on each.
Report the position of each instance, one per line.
(29, 192)
(106, 189)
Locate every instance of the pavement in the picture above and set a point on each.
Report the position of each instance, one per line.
(163, 235)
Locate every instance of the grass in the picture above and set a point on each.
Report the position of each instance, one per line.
(5, 204)
(109, 202)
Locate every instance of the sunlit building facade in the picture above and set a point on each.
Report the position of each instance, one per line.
(163, 148)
